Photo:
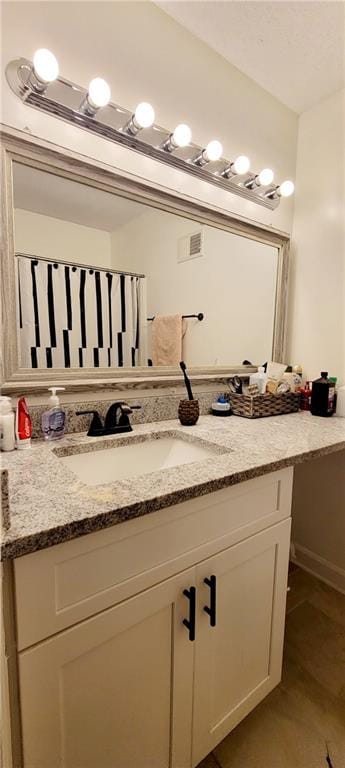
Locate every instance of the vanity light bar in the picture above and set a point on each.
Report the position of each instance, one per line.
(39, 84)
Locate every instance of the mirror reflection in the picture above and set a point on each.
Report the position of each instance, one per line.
(107, 282)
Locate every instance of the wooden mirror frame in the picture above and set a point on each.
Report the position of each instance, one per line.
(46, 157)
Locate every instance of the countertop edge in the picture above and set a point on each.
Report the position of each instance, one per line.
(60, 534)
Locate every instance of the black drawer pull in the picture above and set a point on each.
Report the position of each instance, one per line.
(211, 609)
(190, 623)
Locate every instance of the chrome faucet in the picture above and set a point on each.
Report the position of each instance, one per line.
(113, 423)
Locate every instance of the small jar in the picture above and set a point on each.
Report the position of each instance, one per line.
(188, 412)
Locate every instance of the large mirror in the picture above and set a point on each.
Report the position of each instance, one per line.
(110, 281)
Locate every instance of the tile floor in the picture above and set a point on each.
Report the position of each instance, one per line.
(305, 715)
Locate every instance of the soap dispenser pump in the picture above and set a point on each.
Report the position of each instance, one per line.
(53, 420)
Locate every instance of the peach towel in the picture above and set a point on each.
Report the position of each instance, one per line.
(167, 335)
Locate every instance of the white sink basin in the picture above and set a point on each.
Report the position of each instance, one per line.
(137, 458)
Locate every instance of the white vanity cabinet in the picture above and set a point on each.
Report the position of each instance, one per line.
(114, 691)
(238, 661)
(129, 684)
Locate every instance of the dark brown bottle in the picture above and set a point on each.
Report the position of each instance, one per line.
(323, 396)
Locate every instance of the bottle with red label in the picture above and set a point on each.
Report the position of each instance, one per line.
(23, 425)
(305, 400)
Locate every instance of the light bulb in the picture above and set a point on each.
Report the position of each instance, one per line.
(98, 93)
(182, 135)
(266, 177)
(213, 151)
(287, 188)
(241, 165)
(144, 115)
(46, 67)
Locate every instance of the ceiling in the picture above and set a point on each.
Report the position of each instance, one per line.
(61, 198)
(293, 49)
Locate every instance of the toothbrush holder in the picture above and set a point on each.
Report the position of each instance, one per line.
(188, 412)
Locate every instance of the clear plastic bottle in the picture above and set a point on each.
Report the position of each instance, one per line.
(53, 420)
(341, 402)
(7, 441)
(259, 379)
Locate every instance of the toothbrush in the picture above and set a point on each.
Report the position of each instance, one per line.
(186, 380)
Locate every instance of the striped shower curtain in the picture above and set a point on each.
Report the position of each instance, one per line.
(78, 317)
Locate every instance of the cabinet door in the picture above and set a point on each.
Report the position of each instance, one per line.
(238, 661)
(114, 691)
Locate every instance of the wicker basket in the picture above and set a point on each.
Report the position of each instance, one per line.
(264, 405)
(188, 412)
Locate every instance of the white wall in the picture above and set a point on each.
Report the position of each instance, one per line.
(57, 239)
(317, 325)
(144, 54)
(318, 517)
(233, 284)
(317, 308)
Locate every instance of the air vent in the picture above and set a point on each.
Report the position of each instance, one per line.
(195, 244)
(190, 247)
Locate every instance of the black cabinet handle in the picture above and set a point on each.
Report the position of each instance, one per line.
(190, 623)
(211, 609)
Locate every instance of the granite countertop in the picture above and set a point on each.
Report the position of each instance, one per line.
(47, 504)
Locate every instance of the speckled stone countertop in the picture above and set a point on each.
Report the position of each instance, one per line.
(49, 505)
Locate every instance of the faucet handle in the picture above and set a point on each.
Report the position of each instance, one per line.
(96, 426)
(125, 412)
(125, 408)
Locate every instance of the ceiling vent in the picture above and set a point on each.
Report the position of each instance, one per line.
(191, 246)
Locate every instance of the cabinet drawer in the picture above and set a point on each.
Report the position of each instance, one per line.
(59, 586)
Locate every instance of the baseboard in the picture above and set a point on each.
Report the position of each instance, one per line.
(319, 567)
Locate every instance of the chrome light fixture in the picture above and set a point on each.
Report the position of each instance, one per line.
(212, 152)
(265, 177)
(239, 167)
(286, 189)
(144, 117)
(262, 179)
(44, 70)
(98, 96)
(39, 84)
(181, 137)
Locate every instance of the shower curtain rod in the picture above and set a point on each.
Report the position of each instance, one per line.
(82, 266)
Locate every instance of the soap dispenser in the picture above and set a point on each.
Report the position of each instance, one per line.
(53, 420)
